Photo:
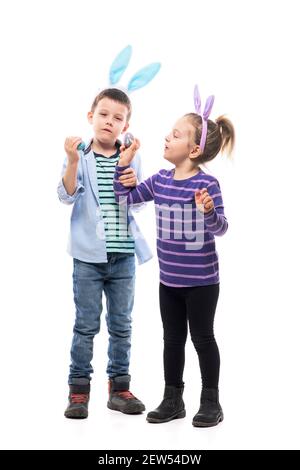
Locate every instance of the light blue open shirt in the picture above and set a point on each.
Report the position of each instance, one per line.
(87, 233)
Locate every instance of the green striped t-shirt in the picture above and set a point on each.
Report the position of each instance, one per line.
(114, 217)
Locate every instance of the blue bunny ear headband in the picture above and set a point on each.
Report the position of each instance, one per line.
(141, 78)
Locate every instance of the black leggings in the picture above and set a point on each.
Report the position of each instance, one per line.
(195, 306)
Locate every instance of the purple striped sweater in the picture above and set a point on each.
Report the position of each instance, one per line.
(185, 236)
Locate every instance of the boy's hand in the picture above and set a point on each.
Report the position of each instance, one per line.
(127, 154)
(204, 201)
(128, 179)
(71, 144)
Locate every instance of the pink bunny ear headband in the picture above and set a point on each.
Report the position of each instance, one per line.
(204, 114)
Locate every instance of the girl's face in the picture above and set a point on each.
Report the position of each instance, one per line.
(180, 144)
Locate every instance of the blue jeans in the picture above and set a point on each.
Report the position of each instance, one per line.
(116, 279)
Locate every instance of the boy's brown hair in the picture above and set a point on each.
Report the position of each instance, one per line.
(116, 95)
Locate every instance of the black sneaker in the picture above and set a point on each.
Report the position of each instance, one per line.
(120, 397)
(78, 401)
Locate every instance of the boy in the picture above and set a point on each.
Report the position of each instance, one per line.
(103, 253)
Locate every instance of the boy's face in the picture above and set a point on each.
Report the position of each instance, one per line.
(180, 144)
(109, 120)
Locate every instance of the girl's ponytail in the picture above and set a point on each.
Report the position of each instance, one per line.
(227, 133)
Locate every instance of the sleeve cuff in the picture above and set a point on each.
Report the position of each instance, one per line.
(64, 196)
(210, 216)
(119, 169)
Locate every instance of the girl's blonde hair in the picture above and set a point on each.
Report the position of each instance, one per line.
(220, 136)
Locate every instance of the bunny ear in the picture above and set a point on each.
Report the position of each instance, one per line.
(208, 106)
(197, 100)
(119, 65)
(143, 76)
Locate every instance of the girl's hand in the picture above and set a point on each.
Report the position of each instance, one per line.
(127, 154)
(71, 144)
(204, 201)
(128, 179)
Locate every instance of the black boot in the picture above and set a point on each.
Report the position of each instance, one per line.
(210, 412)
(120, 398)
(78, 401)
(171, 407)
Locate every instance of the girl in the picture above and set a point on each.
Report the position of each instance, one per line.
(189, 214)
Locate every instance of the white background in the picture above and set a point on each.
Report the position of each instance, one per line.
(55, 57)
